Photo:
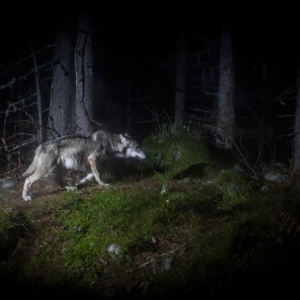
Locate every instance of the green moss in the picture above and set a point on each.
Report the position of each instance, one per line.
(177, 153)
(194, 225)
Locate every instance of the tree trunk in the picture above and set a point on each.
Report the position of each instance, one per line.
(61, 107)
(225, 117)
(129, 89)
(181, 69)
(84, 62)
(39, 97)
(297, 127)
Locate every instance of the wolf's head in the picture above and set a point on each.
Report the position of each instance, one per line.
(129, 148)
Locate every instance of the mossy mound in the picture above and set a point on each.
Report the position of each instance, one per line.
(177, 153)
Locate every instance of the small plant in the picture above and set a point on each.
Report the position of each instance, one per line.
(164, 132)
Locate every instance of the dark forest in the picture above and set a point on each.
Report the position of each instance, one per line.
(134, 75)
(211, 95)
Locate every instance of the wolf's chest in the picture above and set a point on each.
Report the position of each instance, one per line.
(73, 161)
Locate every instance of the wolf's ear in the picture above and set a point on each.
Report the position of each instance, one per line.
(127, 135)
(123, 139)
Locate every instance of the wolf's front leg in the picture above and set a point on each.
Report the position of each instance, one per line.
(85, 179)
(93, 166)
(89, 177)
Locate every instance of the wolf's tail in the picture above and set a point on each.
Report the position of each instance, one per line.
(31, 169)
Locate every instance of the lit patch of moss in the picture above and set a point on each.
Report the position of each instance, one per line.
(176, 153)
(174, 235)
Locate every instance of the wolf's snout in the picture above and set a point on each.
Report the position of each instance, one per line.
(141, 156)
(135, 153)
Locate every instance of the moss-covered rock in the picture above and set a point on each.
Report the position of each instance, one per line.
(177, 153)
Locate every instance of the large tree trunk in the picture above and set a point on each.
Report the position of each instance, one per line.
(225, 118)
(39, 97)
(181, 69)
(61, 107)
(129, 90)
(84, 63)
(297, 126)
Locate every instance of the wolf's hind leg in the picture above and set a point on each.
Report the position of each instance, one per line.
(28, 182)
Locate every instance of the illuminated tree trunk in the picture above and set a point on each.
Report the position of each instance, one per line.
(225, 117)
(181, 69)
(297, 127)
(84, 63)
(61, 107)
(39, 97)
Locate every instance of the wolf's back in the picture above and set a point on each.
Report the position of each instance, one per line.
(31, 169)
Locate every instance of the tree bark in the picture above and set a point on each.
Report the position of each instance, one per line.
(181, 69)
(61, 107)
(39, 97)
(225, 118)
(84, 63)
(297, 127)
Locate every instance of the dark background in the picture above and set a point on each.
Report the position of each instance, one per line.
(262, 30)
(144, 36)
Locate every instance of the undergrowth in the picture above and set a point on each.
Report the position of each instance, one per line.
(212, 232)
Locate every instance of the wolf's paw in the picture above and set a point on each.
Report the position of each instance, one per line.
(27, 198)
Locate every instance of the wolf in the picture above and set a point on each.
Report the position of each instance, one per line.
(78, 153)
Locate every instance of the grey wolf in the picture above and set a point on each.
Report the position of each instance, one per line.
(78, 153)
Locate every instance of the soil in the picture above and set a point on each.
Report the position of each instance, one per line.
(42, 189)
